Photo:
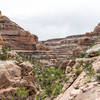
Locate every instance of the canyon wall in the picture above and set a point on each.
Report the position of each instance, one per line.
(49, 52)
(16, 37)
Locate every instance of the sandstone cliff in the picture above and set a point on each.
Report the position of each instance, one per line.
(56, 51)
(16, 37)
(63, 49)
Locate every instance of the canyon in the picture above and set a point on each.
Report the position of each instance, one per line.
(16, 37)
(50, 51)
(73, 54)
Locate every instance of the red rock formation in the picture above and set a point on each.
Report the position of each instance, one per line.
(15, 37)
(96, 31)
(76, 51)
(97, 28)
(88, 34)
(41, 46)
(85, 41)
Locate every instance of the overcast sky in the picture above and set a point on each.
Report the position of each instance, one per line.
(53, 18)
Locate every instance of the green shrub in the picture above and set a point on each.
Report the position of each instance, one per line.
(78, 71)
(5, 49)
(3, 56)
(81, 55)
(21, 93)
(98, 77)
(12, 98)
(91, 73)
(49, 80)
(93, 44)
(87, 67)
(97, 53)
(98, 71)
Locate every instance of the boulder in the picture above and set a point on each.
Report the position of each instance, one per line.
(14, 76)
(95, 48)
(83, 87)
(92, 94)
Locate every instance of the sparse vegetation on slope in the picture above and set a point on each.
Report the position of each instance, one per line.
(3, 54)
(49, 81)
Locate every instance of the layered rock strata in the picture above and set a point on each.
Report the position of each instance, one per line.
(57, 51)
(16, 37)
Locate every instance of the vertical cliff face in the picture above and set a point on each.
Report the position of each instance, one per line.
(16, 37)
